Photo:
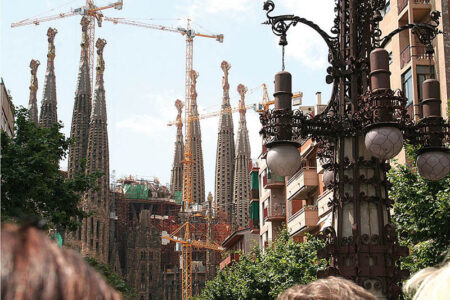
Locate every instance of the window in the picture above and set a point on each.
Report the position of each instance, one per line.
(423, 73)
(407, 86)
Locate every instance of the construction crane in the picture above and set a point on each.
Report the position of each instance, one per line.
(217, 113)
(90, 10)
(190, 82)
(258, 107)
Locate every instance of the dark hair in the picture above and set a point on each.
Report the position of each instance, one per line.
(330, 288)
(34, 267)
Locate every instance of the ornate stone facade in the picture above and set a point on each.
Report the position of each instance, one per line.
(82, 107)
(95, 229)
(49, 115)
(32, 103)
(198, 172)
(241, 186)
(225, 154)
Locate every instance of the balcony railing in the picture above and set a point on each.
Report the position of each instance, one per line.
(228, 261)
(275, 212)
(303, 220)
(272, 180)
(405, 56)
(422, 1)
(322, 201)
(302, 182)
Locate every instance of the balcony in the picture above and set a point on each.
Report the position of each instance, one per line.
(303, 182)
(401, 4)
(304, 220)
(322, 202)
(405, 56)
(228, 261)
(275, 212)
(272, 180)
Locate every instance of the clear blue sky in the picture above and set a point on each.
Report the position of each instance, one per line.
(145, 68)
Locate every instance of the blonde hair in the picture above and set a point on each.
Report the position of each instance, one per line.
(430, 283)
(330, 288)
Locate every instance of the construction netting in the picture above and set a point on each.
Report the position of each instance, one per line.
(254, 183)
(254, 211)
(135, 191)
(178, 195)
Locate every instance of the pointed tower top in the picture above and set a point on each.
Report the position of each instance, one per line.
(32, 104)
(242, 90)
(49, 114)
(99, 105)
(51, 32)
(210, 196)
(84, 82)
(179, 105)
(194, 76)
(226, 86)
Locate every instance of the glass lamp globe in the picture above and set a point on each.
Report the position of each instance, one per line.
(384, 142)
(433, 165)
(284, 159)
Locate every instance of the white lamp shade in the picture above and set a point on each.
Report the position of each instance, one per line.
(384, 142)
(284, 159)
(433, 165)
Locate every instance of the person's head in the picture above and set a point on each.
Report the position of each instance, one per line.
(34, 267)
(330, 288)
(430, 283)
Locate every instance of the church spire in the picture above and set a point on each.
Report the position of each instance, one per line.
(98, 161)
(225, 153)
(176, 179)
(241, 186)
(82, 107)
(198, 173)
(32, 103)
(49, 115)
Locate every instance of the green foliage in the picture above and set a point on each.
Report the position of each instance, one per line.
(112, 278)
(265, 275)
(32, 184)
(421, 214)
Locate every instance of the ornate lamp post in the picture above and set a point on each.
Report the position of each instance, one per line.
(364, 124)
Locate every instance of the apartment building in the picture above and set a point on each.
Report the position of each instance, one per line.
(410, 65)
(299, 202)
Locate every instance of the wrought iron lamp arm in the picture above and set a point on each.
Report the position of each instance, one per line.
(281, 24)
(426, 33)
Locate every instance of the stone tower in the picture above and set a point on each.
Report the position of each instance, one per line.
(32, 103)
(95, 229)
(241, 187)
(176, 179)
(225, 153)
(82, 107)
(49, 115)
(198, 173)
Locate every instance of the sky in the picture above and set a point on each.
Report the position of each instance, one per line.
(144, 72)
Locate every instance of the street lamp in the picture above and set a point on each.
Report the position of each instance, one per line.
(364, 124)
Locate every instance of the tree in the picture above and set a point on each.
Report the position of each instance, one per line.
(32, 184)
(265, 275)
(421, 214)
(112, 278)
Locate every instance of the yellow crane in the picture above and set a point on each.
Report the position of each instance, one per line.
(258, 107)
(190, 81)
(90, 10)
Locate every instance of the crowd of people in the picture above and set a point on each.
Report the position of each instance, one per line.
(34, 267)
